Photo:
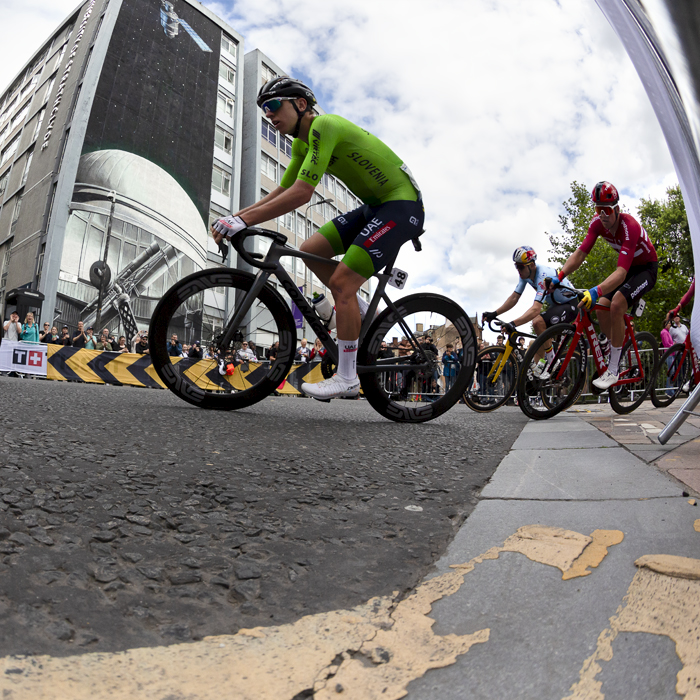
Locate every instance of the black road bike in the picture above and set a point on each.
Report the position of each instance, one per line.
(219, 306)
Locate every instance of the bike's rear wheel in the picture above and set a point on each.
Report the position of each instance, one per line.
(199, 308)
(412, 396)
(540, 399)
(671, 374)
(490, 392)
(624, 398)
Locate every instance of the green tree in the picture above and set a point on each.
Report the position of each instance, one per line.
(667, 226)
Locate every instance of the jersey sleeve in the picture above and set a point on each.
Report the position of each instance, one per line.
(591, 237)
(520, 287)
(294, 166)
(323, 138)
(689, 294)
(632, 232)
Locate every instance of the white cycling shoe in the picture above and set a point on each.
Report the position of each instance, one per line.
(334, 388)
(606, 381)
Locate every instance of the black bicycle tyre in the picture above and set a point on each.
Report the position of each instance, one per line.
(511, 369)
(659, 395)
(374, 392)
(615, 403)
(524, 379)
(194, 284)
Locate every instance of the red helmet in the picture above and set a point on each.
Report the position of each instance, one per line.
(605, 193)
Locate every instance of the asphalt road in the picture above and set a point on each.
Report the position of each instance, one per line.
(129, 518)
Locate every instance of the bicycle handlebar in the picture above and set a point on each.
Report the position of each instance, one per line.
(254, 259)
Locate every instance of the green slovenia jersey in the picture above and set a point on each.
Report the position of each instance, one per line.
(369, 168)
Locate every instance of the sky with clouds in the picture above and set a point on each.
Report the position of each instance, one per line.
(497, 106)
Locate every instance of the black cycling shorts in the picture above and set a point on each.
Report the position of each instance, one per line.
(640, 280)
(560, 313)
(370, 236)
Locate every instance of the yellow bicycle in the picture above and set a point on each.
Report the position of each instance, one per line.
(496, 372)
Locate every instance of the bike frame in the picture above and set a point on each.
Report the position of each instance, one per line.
(688, 348)
(509, 348)
(274, 268)
(584, 324)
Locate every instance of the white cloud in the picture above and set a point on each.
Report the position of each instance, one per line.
(497, 107)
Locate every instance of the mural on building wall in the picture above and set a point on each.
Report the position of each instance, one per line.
(143, 186)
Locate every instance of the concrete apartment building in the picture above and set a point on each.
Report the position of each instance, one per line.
(130, 129)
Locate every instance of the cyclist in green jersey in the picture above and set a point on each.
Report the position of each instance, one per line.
(391, 214)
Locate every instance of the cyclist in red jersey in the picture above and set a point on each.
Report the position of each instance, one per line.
(685, 300)
(635, 275)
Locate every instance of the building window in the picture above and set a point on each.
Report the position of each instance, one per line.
(15, 212)
(224, 105)
(223, 139)
(287, 220)
(49, 87)
(39, 120)
(301, 225)
(221, 181)
(227, 72)
(27, 165)
(59, 58)
(268, 166)
(228, 45)
(19, 117)
(3, 182)
(283, 170)
(2, 134)
(10, 150)
(267, 73)
(286, 146)
(269, 133)
(263, 193)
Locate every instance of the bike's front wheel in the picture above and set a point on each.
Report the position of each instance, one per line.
(544, 392)
(200, 308)
(492, 387)
(670, 376)
(639, 366)
(421, 394)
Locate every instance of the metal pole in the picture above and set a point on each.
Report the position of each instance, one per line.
(686, 410)
(101, 292)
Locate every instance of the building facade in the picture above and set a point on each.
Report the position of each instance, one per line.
(128, 132)
(119, 139)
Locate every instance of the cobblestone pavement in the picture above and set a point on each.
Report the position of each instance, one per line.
(129, 518)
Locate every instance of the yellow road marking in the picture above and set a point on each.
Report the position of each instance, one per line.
(663, 599)
(696, 525)
(371, 651)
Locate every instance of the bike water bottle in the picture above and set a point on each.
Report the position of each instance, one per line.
(325, 310)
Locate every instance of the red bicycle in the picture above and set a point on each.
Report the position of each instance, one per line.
(545, 391)
(678, 371)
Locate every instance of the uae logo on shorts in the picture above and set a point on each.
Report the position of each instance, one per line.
(376, 236)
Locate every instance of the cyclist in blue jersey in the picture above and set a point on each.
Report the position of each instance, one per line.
(560, 309)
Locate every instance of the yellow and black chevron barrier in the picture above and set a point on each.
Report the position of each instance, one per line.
(105, 367)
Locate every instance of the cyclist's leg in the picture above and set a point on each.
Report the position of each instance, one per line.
(557, 313)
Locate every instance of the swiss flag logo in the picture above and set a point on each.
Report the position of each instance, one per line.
(35, 358)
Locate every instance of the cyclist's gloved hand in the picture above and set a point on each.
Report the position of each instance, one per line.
(590, 297)
(488, 316)
(228, 226)
(508, 328)
(552, 282)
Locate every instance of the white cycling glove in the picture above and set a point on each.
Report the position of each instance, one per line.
(229, 225)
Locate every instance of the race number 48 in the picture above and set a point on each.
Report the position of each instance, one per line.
(398, 278)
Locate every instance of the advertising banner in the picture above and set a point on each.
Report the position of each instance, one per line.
(25, 358)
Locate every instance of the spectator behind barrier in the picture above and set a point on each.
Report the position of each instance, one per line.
(141, 345)
(91, 341)
(80, 339)
(52, 337)
(122, 346)
(13, 328)
(174, 347)
(30, 331)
